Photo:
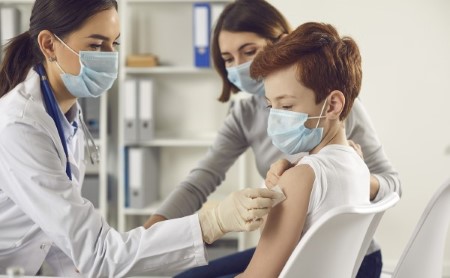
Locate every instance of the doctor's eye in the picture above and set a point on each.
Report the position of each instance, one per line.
(286, 107)
(95, 46)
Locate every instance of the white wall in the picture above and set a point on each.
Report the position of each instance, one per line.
(405, 47)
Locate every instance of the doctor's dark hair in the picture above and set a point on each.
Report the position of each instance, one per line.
(255, 16)
(324, 61)
(60, 17)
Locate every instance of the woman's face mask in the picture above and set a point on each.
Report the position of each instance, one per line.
(97, 74)
(240, 77)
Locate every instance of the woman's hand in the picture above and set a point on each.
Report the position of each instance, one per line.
(275, 171)
(356, 147)
(374, 183)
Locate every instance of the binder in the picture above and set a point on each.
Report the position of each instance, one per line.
(91, 114)
(10, 23)
(146, 120)
(142, 183)
(130, 111)
(202, 27)
(216, 11)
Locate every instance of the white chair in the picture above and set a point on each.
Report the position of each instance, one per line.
(424, 253)
(367, 239)
(332, 246)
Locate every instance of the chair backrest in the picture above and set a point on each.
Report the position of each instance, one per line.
(331, 245)
(369, 235)
(424, 253)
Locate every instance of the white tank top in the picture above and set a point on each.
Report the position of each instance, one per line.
(341, 178)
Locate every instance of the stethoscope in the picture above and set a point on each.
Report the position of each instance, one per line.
(53, 109)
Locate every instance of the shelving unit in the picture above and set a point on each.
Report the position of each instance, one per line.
(187, 113)
(100, 194)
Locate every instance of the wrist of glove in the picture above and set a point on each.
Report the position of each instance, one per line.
(240, 211)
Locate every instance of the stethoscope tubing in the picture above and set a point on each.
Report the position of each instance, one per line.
(52, 109)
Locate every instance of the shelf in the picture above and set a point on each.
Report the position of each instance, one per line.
(168, 70)
(166, 139)
(143, 211)
(177, 1)
(17, 1)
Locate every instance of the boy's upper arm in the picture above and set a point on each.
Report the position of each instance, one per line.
(284, 224)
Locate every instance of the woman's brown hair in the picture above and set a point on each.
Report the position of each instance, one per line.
(256, 16)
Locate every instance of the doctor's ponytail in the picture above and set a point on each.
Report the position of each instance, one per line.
(17, 60)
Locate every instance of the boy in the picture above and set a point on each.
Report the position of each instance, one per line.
(311, 79)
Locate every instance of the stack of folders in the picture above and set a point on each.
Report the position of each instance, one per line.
(91, 114)
(205, 16)
(141, 175)
(139, 124)
(9, 24)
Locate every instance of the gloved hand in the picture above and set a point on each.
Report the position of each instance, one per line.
(240, 211)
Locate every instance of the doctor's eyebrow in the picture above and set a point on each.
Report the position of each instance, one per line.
(100, 37)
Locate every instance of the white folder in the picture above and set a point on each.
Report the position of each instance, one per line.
(130, 111)
(143, 176)
(146, 121)
(10, 23)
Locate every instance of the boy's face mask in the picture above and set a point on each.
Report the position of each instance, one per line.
(97, 73)
(240, 77)
(289, 134)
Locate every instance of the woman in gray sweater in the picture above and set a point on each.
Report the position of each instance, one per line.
(242, 30)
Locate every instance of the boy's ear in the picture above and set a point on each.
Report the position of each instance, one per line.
(336, 102)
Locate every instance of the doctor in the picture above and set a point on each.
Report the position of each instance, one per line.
(69, 52)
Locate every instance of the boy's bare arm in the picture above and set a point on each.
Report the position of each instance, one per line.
(284, 224)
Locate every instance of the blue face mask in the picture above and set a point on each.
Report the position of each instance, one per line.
(289, 134)
(97, 73)
(240, 77)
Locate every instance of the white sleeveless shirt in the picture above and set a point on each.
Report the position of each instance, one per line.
(341, 178)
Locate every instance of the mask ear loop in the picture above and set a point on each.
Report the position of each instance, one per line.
(61, 41)
(321, 111)
(68, 47)
(319, 117)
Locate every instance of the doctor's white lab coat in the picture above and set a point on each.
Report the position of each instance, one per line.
(44, 217)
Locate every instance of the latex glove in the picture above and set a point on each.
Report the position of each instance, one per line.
(275, 171)
(240, 211)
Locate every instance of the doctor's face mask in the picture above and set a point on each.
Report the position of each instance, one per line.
(97, 73)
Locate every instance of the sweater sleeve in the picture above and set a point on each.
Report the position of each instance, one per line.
(230, 143)
(360, 129)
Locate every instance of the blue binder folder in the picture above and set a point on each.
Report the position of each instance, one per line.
(202, 27)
